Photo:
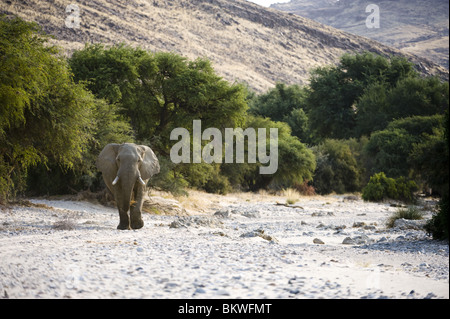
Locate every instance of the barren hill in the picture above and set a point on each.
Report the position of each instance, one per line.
(414, 26)
(246, 42)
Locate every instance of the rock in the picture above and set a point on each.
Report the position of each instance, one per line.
(318, 241)
(196, 221)
(251, 214)
(162, 206)
(225, 213)
(321, 214)
(359, 224)
(222, 292)
(404, 224)
(259, 233)
(348, 241)
(363, 239)
(357, 240)
(176, 224)
(200, 291)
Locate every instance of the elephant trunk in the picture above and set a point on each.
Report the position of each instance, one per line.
(139, 179)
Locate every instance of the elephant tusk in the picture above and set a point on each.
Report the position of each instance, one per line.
(115, 180)
(141, 181)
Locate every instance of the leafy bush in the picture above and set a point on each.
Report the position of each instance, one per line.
(305, 189)
(45, 118)
(381, 187)
(217, 183)
(334, 91)
(337, 169)
(406, 144)
(437, 226)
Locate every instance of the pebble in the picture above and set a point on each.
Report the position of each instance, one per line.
(318, 241)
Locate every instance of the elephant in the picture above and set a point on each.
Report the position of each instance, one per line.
(126, 169)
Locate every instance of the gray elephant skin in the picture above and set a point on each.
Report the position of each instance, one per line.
(126, 169)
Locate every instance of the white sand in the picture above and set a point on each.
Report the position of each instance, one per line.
(219, 257)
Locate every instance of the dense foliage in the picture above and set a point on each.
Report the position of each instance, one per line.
(369, 123)
(381, 187)
(45, 118)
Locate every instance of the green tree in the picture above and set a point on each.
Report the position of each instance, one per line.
(334, 91)
(399, 148)
(50, 127)
(159, 92)
(337, 168)
(44, 116)
(296, 163)
(381, 104)
(381, 187)
(438, 170)
(284, 104)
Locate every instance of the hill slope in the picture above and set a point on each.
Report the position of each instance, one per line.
(246, 42)
(414, 26)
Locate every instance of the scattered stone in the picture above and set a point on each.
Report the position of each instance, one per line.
(251, 214)
(225, 213)
(176, 224)
(222, 292)
(200, 291)
(65, 224)
(196, 221)
(359, 224)
(357, 240)
(158, 205)
(348, 241)
(430, 296)
(318, 241)
(382, 239)
(320, 214)
(259, 233)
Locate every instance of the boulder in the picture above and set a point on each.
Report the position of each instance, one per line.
(416, 224)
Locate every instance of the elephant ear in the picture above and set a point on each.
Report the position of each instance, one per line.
(150, 163)
(106, 161)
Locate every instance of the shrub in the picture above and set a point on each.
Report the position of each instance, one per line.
(305, 189)
(292, 196)
(381, 187)
(337, 168)
(217, 183)
(437, 226)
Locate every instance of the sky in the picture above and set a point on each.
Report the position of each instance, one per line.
(267, 3)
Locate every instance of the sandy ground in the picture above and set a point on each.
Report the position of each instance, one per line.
(236, 246)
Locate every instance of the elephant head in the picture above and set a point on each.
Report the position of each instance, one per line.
(126, 169)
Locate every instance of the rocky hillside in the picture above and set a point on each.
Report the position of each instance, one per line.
(246, 42)
(414, 26)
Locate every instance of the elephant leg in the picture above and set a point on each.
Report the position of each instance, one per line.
(123, 214)
(136, 221)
